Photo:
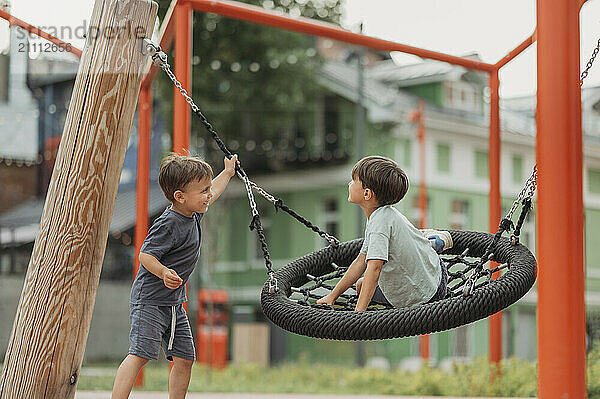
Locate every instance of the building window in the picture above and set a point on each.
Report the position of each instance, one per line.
(415, 213)
(459, 215)
(329, 219)
(593, 181)
(462, 95)
(404, 152)
(443, 158)
(481, 164)
(517, 169)
(331, 124)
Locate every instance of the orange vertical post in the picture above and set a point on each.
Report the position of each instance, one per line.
(424, 339)
(142, 183)
(183, 71)
(561, 306)
(495, 321)
(182, 64)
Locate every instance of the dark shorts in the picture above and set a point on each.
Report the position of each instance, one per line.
(151, 329)
(379, 297)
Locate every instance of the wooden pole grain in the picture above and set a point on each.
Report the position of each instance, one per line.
(53, 317)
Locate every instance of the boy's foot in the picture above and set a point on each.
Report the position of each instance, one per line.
(440, 240)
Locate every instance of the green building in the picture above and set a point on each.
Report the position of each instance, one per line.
(456, 119)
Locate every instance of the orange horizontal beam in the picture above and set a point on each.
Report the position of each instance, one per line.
(261, 16)
(165, 42)
(517, 50)
(36, 31)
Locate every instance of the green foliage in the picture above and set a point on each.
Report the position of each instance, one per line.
(252, 82)
(517, 378)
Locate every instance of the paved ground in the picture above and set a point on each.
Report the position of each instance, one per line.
(164, 395)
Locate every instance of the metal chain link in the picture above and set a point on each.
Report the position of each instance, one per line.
(527, 191)
(584, 74)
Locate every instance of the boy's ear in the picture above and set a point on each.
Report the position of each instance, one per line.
(368, 194)
(178, 196)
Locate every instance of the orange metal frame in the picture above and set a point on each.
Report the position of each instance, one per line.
(561, 343)
(561, 306)
(36, 31)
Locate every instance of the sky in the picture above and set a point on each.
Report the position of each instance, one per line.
(456, 27)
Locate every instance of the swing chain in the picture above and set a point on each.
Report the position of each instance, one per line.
(584, 74)
(159, 59)
(526, 193)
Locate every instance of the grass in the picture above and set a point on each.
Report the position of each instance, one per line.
(517, 378)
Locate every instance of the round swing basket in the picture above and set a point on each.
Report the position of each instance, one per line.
(445, 314)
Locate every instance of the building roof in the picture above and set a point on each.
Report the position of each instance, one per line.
(427, 71)
(20, 224)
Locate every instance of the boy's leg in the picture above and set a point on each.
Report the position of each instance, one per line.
(179, 379)
(181, 352)
(441, 240)
(126, 375)
(144, 344)
(378, 297)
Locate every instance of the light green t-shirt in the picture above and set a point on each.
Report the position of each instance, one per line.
(411, 272)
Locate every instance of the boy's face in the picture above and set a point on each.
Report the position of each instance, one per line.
(196, 195)
(356, 192)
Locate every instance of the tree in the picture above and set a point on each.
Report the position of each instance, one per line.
(257, 85)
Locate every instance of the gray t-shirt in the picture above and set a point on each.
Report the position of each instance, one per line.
(173, 239)
(411, 271)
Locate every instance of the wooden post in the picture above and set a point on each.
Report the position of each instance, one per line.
(50, 330)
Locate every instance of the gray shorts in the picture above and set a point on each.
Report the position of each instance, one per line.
(151, 328)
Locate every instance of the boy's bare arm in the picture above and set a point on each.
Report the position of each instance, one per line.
(355, 270)
(219, 183)
(169, 276)
(369, 284)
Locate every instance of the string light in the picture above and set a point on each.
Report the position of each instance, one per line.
(267, 145)
(250, 145)
(254, 67)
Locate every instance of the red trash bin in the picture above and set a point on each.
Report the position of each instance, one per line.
(213, 328)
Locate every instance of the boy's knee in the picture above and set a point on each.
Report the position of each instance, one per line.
(138, 359)
(184, 363)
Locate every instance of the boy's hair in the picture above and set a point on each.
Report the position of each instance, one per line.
(177, 171)
(383, 176)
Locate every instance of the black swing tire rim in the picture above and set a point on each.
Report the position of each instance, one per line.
(395, 323)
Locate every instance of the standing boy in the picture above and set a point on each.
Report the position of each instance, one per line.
(168, 257)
